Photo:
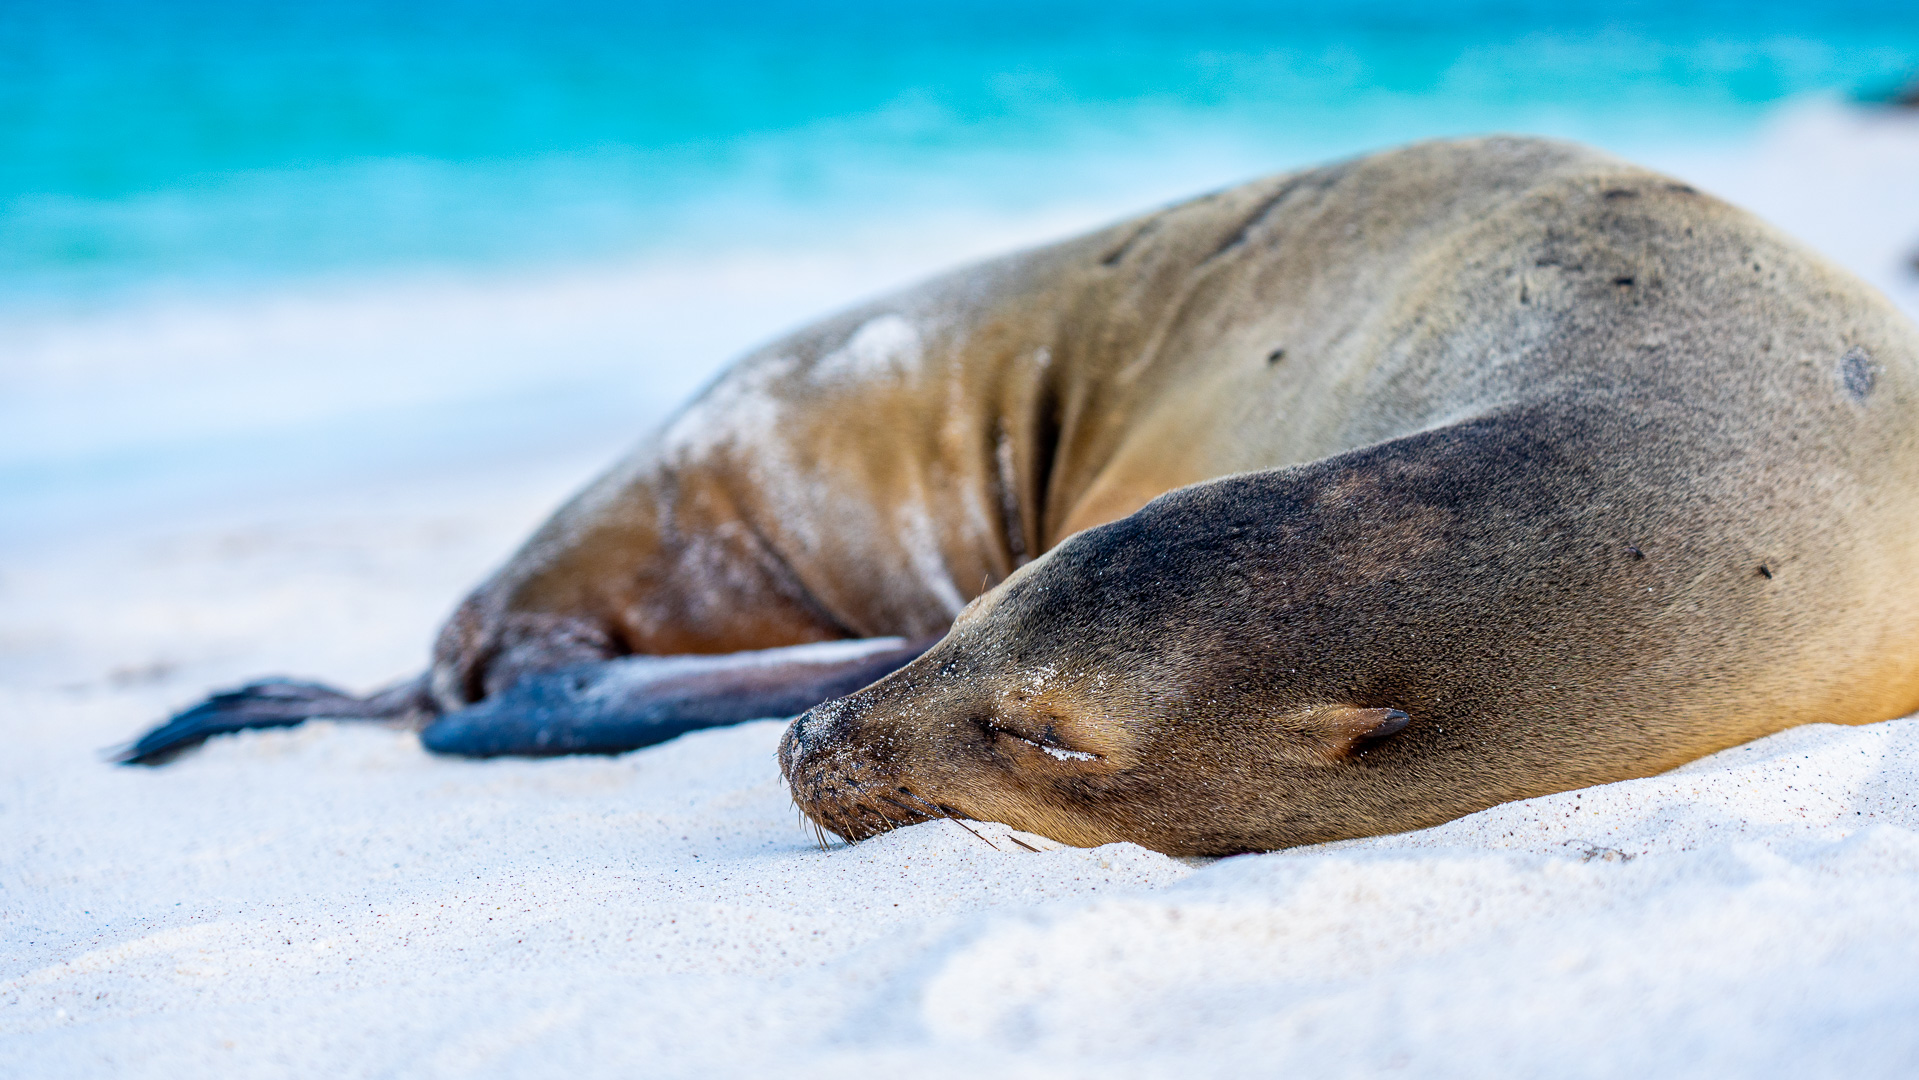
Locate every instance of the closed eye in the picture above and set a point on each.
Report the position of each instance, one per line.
(1052, 749)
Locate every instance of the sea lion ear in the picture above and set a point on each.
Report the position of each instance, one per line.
(1337, 732)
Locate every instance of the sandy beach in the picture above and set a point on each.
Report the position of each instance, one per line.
(331, 901)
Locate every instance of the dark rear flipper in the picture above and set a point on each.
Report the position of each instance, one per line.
(618, 705)
(269, 703)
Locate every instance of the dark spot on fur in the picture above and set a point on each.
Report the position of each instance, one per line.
(1276, 356)
(1682, 189)
(1622, 281)
(1857, 373)
(1635, 552)
(1765, 571)
(1622, 193)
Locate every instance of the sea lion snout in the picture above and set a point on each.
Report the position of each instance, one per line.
(954, 735)
(845, 782)
(806, 733)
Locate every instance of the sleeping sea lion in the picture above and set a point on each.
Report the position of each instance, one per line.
(1342, 502)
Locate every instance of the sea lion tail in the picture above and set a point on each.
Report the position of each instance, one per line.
(271, 703)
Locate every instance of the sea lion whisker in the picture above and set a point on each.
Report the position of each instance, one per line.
(839, 827)
(890, 801)
(805, 822)
(969, 829)
(954, 818)
(937, 811)
(869, 810)
(936, 814)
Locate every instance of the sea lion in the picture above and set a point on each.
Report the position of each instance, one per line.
(1341, 502)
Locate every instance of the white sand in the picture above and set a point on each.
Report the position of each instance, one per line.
(331, 901)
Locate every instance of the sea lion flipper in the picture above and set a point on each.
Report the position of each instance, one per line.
(266, 703)
(533, 721)
(614, 706)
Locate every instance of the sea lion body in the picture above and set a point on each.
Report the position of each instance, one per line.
(1338, 503)
(1588, 474)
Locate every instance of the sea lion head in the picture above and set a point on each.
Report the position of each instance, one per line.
(1143, 681)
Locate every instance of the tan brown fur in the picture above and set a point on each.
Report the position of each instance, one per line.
(1496, 432)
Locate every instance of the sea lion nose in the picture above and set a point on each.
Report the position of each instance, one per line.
(800, 736)
(811, 732)
(794, 741)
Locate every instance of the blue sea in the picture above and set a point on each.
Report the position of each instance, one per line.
(243, 244)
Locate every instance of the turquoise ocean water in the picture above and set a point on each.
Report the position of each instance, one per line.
(145, 139)
(213, 148)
